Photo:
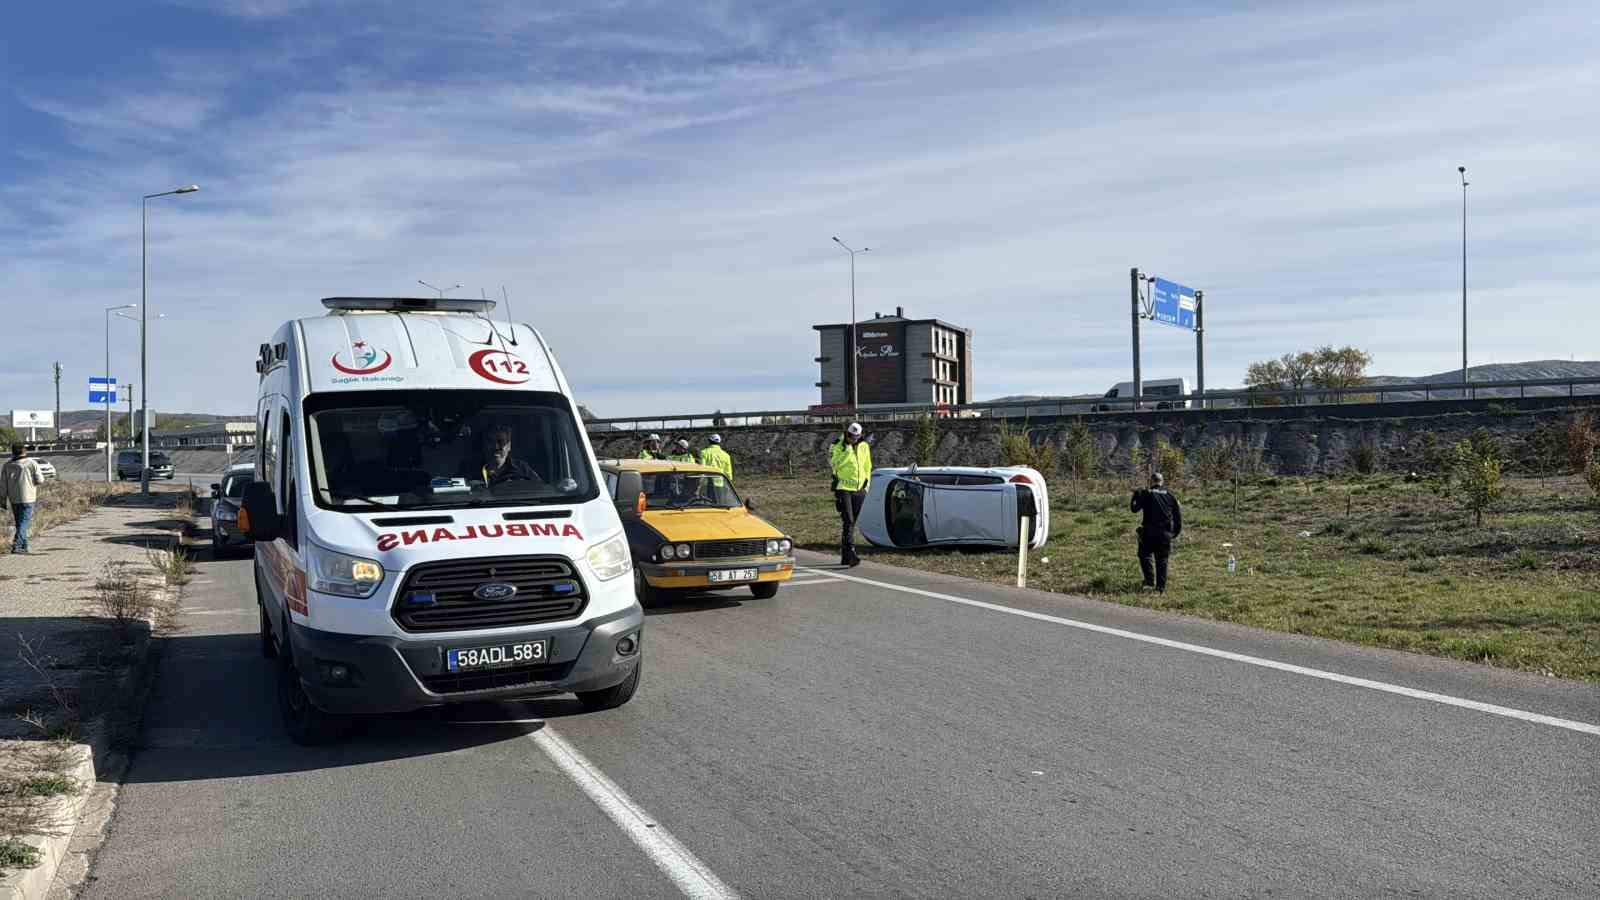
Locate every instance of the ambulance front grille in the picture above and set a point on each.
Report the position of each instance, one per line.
(438, 596)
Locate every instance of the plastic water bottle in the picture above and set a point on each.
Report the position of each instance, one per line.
(1233, 564)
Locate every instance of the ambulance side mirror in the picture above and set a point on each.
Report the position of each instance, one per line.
(630, 491)
(258, 512)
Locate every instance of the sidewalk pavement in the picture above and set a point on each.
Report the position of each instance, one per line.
(46, 601)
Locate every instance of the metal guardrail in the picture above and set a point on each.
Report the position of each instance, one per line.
(1148, 403)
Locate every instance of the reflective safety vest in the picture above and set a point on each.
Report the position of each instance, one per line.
(718, 458)
(680, 457)
(647, 454)
(852, 466)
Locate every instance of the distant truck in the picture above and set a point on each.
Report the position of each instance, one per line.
(1177, 389)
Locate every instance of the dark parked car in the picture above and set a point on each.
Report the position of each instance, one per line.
(225, 499)
(128, 462)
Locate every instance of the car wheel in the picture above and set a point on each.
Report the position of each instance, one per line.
(614, 696)
(764, 590)
(269, 647)
(302, 720)
(648, 596)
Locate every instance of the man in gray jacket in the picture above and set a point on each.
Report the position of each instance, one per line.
(19, 488)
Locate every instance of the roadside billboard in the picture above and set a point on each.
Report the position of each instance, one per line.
(33, 418)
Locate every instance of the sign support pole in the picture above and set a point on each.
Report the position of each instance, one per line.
(1024, 535)
(1200, 346)
(1133, 291)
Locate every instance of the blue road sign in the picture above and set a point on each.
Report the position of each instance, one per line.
(1172, 303)
(102, 390)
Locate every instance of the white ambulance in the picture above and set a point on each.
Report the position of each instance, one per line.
(430, 523)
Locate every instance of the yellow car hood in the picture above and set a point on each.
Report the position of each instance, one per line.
(708, 524)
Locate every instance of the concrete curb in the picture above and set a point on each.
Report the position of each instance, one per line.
(99, 755)
(27, 884)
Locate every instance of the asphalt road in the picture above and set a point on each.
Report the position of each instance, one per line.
(856, 739)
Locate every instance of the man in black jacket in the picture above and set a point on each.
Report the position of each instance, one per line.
(1163, 521)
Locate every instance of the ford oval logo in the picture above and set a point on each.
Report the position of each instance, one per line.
(495, 590)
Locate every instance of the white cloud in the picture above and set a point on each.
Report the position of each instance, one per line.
(657, 185)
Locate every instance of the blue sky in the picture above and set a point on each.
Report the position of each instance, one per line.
(656, 183)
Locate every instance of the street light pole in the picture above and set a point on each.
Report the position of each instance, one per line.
(439, 289)
(1465, 373)
(855, 366)
(107, 385)
(144, 306)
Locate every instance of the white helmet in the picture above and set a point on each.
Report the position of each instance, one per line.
(654, 437)
(854, 430)
(715, 439)
(683, 443)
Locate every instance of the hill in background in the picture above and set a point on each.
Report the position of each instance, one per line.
(1536, 370)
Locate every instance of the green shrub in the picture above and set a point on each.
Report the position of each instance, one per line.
(1080, 458)
(1582, 440)
(925, 440)
(1169, 461)
(1591, 474)
(1365, 458)
(1018, 449)
(1477, 474)
(1525, 559)
(1225, 460)
(1373, 546)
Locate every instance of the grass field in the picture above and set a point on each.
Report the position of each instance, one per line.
(1387, 563)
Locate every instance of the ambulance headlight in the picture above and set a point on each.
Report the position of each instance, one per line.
(346, 576)
(610, 559)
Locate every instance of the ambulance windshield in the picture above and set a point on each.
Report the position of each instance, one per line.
(440, 449)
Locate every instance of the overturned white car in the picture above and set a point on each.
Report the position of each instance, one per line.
(955, 505)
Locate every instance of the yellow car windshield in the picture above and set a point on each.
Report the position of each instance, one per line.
(683, 490)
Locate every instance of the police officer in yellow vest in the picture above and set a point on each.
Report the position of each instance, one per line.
(652, 447)
(680, 451)
(851, 459)
(717, 458)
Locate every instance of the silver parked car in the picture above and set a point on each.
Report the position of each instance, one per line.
(226, 495)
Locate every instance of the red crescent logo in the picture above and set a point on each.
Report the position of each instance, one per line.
(499, 366)
(368, 371)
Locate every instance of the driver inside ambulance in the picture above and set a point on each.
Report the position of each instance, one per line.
(496, 464)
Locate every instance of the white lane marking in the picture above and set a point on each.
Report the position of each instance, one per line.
(1386, 687)
(799, 581)
(674, 860)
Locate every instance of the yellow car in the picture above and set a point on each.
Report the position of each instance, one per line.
(689, 530)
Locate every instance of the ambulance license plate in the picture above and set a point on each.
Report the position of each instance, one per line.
(722, 576)
(470, 659)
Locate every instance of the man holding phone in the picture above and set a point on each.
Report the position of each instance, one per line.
(1163, 521)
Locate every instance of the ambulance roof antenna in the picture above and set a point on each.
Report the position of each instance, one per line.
(494, 330)
(510, 323)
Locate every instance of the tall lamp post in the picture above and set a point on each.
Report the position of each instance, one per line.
(855, 366)
(1465, 375)
(439, 289)
(109, 311)
(144, 306)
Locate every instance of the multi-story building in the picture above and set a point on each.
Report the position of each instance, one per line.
(899, 360)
